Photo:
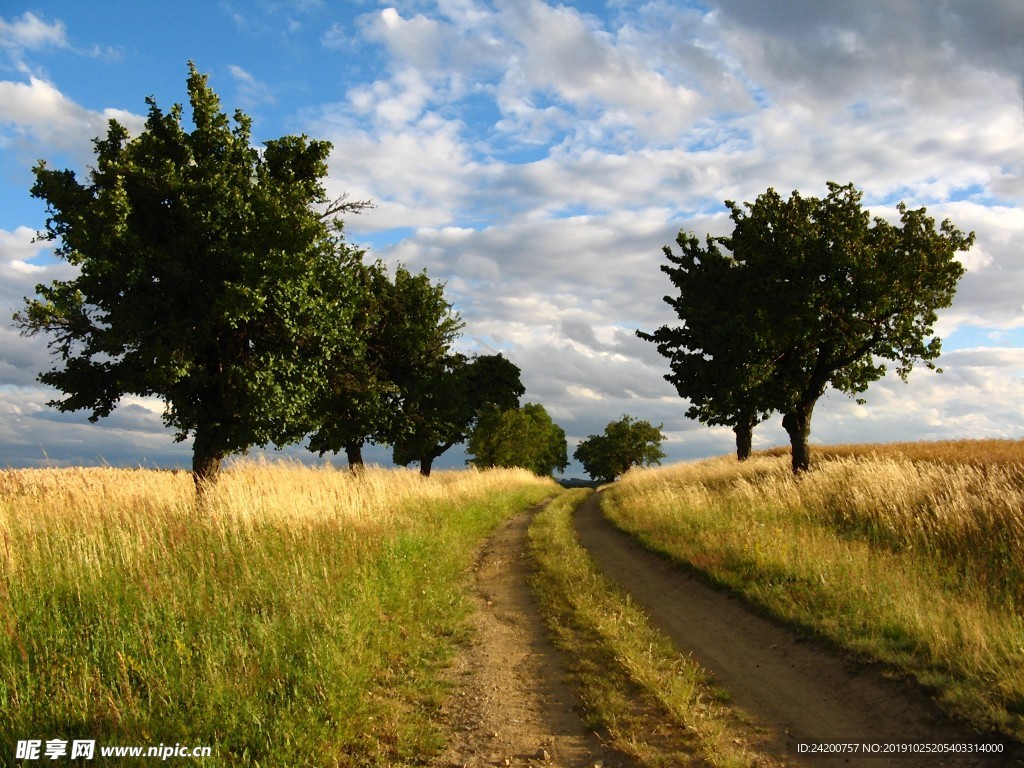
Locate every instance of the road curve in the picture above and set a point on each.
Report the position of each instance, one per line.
(800, 689)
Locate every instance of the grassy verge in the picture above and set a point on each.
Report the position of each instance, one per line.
(916, 562)
(650, 701)
(303, 619)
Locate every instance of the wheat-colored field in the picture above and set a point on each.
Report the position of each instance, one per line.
(912, 554)
(982, 453)
(299, 616)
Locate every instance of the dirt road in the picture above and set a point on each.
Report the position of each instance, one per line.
(512, 706)
(800, 689)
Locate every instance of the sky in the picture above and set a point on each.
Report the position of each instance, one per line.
(536, 156)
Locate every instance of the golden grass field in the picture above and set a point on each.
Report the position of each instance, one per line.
(300, 616)
(912, 554)
(306, 616)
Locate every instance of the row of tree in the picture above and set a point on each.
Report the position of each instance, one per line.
(216, 276)
(806, 293)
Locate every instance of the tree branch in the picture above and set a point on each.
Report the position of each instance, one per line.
(342, 205)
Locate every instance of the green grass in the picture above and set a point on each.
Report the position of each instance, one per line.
(647, 699)
(312, 640)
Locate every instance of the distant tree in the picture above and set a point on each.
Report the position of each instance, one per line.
(625, 443)
(406, 328)
(821, 295)
(440, 409)
(518, 437)
(719, 357)
(209, 276)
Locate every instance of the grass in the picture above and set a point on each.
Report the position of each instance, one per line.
(303, 618)
(979, 453)
(650, 701)
(912, 555)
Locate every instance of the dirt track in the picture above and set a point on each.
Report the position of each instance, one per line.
(800, 689)
(514, 708)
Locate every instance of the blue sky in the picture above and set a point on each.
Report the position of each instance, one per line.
(536, 156)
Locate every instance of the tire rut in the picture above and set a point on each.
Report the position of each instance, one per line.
(797, 688)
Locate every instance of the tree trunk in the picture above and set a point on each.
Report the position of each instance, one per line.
(354, 454)
(798, 424)
(426, 463)
(206, 461)
(744, 440)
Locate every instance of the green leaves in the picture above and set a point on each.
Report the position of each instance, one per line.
(206, 277)
(518, 437)
(719, 357)
(441, 407)
(812, 294)
(405, 328)
(625, 443)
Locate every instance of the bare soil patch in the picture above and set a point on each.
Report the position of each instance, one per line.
(512, 705)
(796, 688)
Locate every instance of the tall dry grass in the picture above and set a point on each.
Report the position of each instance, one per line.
(981, 453)
(914, 557)
(300, 617)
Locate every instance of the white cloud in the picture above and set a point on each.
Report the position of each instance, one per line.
(417, 42)
(565, 60)
(418, 174)
(919, 55)
(251, 91)
(18, 245)
(977, 395)
(36, 103)
(393, 103)
(35, 116)
(464, 37)
(22, 358)
(989, 295)
(29, 32)
(18, 276)
(34, 434)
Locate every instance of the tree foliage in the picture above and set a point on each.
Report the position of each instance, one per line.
(518, 437)
(819, 295)
(207, 277)
(625, 443)
(407, 328)
(719, 358)
(440, 409)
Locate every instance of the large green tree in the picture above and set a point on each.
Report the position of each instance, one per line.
(625, 443)
(827, 295)
(719, 357)
(211, 274)
(440, 409)
(518, 437)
